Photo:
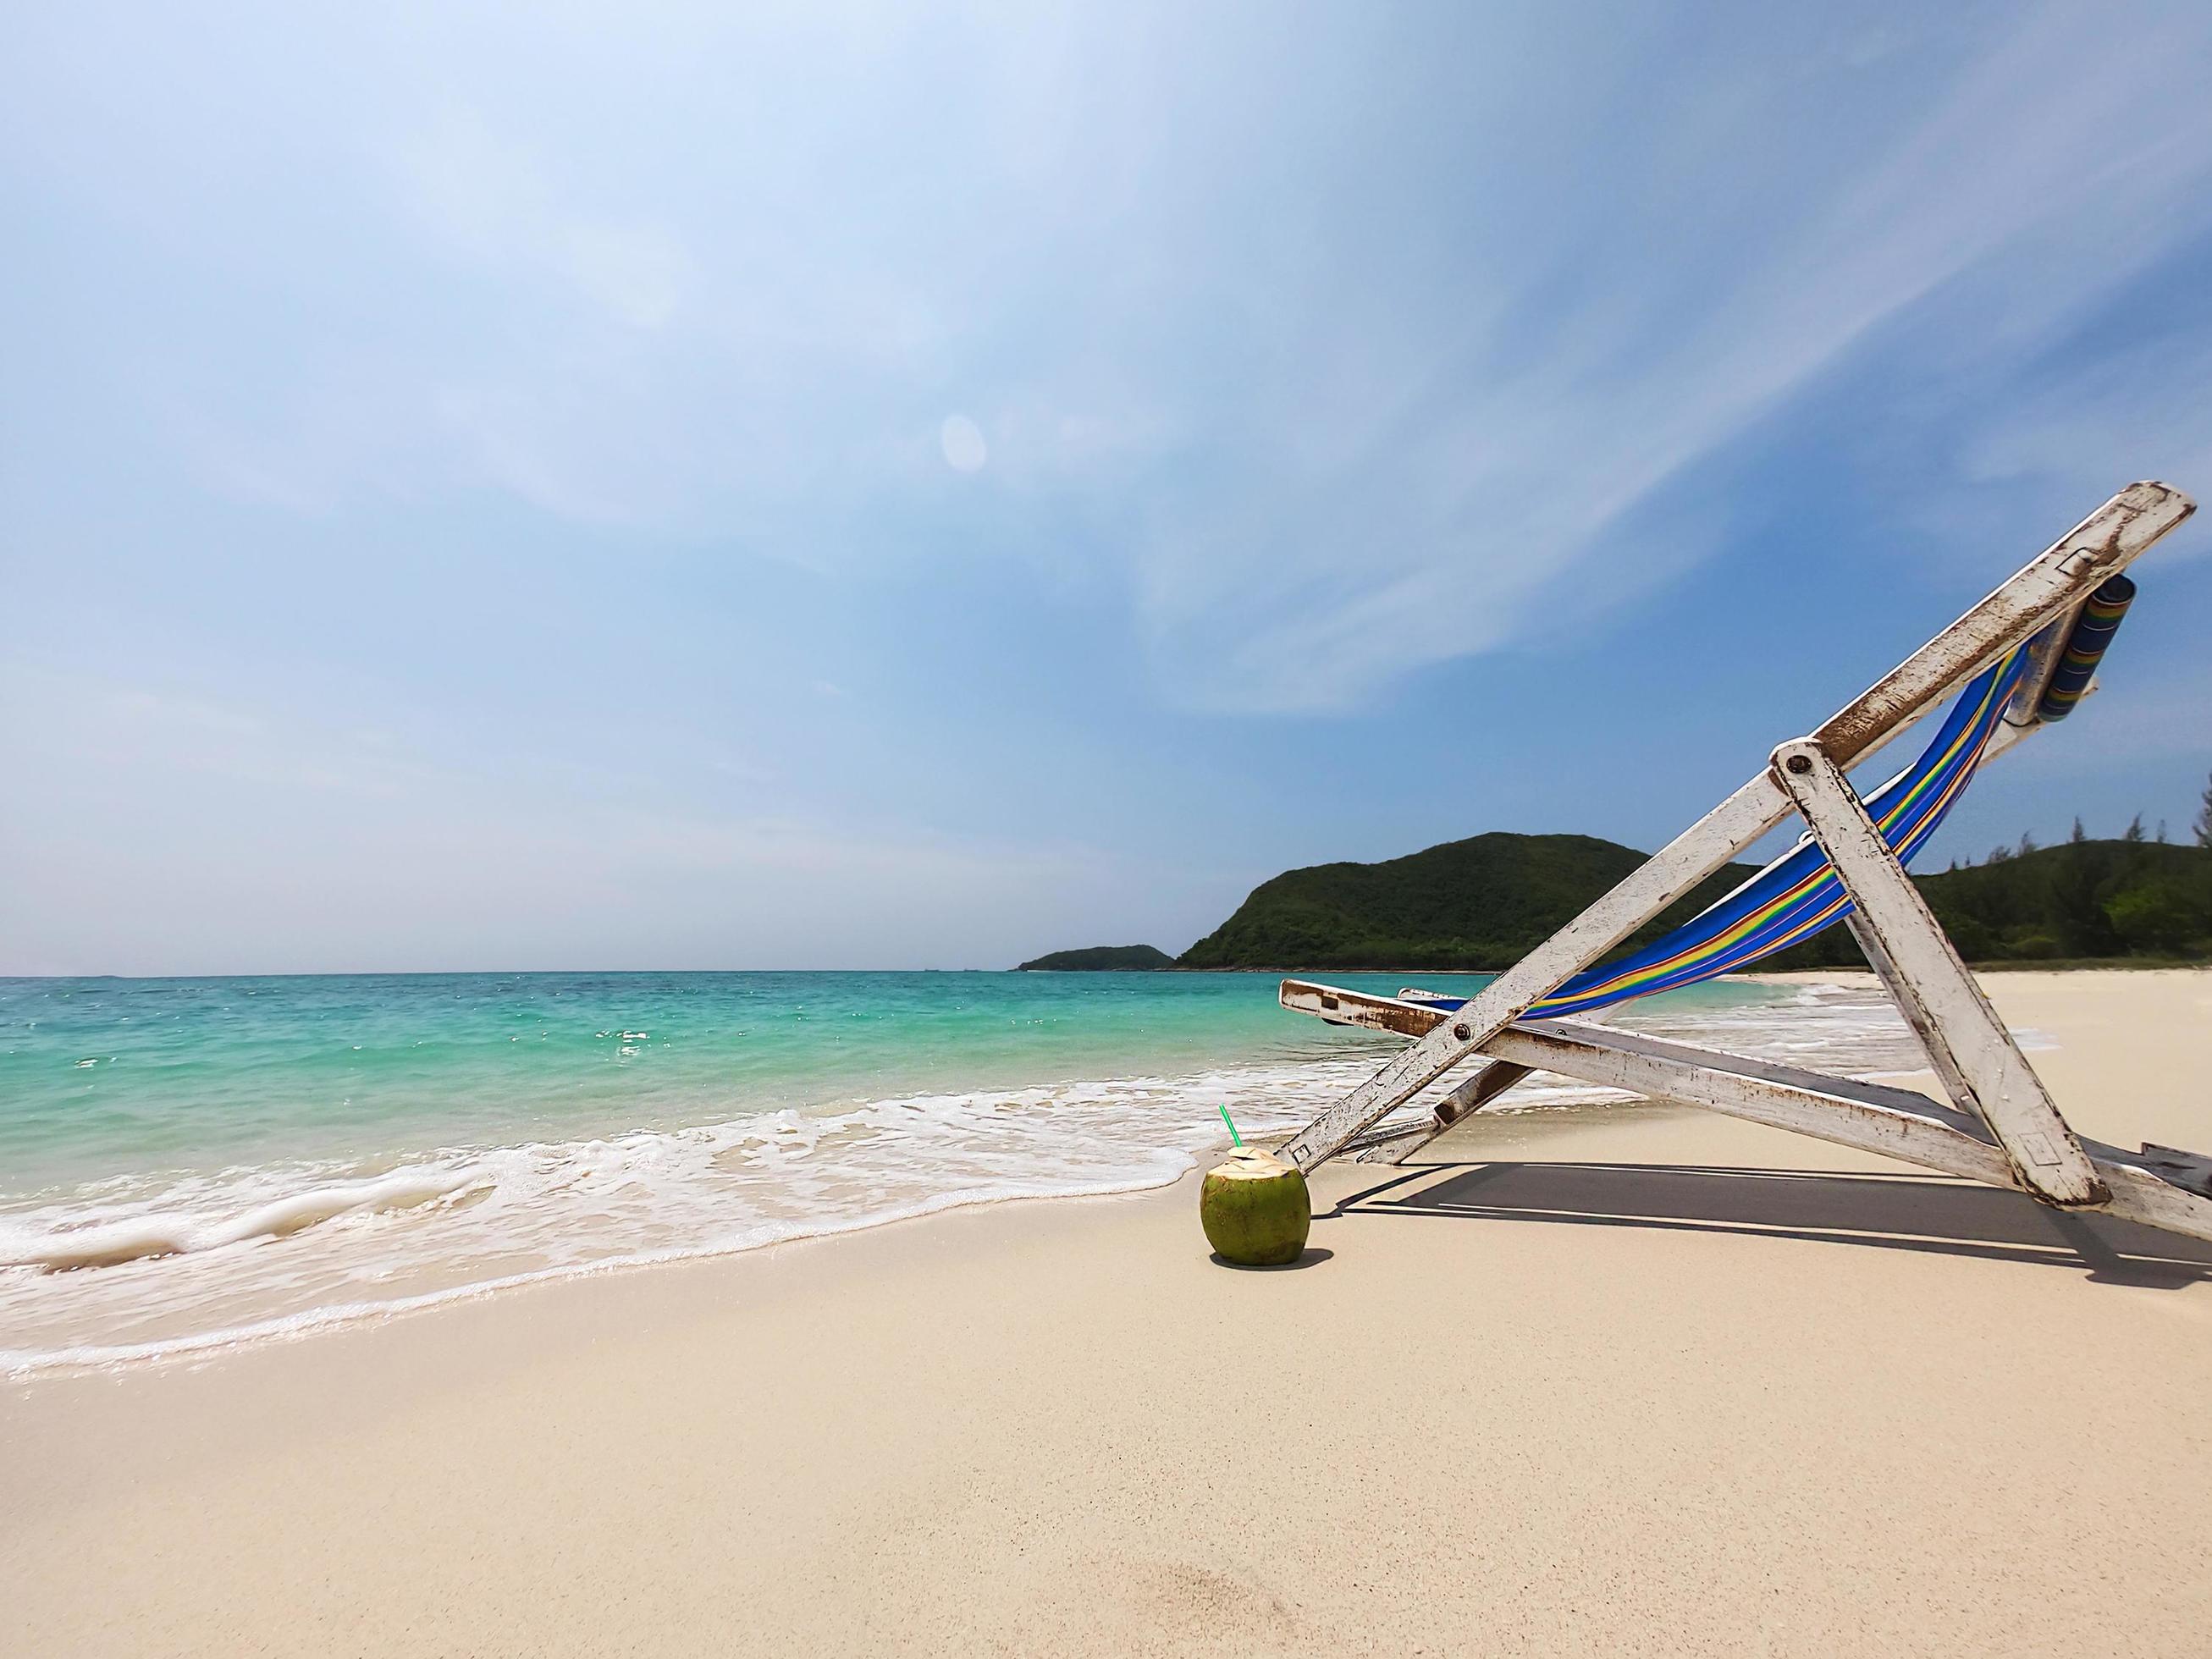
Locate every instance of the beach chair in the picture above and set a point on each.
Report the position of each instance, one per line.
(2019, 660)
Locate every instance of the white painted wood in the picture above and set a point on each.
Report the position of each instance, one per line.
(2010, 737)
(1383, 1014)
(2044, 651)
(1386, 1014)
(1363, 1008)
(1379, 1013)
(2139, 1195)
(1403, 1144)
(2102, 543)
(1840, 1110)
(1940, 996)
(1888, 1096)
(1402, 1141)
(1477, 1092)
(1931, 1043)
(1685, 1060)
(2154, 1187)
(1405, 1015)
(1673, 871)
(1470, 1097)
(1829, 1109)
(1380, 1144)
(2192, 1172)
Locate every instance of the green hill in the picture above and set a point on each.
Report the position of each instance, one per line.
(1476, 903)
(1116, 959)
(1484, 902)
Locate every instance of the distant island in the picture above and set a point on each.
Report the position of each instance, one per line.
(1486, 902)
(1102, 958)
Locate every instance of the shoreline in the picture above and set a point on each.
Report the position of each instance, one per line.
(265, 1248)
(319, 1323)
(441, 1284)
(1664, 1381)
(329, 1321)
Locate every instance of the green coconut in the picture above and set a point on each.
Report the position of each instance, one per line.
(1255, 1209)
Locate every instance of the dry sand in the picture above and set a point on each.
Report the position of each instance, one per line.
(1662, 1383)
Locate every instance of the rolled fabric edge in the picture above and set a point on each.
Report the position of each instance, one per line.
(2085, 647)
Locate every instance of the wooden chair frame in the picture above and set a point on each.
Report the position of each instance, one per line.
(2002, 1126)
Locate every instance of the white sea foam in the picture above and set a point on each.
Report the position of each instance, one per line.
(109, 1245)
(184, 1263)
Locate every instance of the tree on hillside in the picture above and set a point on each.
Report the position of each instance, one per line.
(2079, 835)
(2135, 829)
(2204, 818)
(2074, 903)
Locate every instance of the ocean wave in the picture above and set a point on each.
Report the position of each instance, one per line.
(115, 1243)
(126, 1269)
(121, 1270)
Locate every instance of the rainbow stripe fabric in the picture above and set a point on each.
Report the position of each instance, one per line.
(2092, 632)
(1799, 893)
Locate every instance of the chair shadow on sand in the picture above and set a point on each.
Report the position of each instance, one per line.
(1932, 1213)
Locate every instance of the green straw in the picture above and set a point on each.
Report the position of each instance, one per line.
(1225, 1118)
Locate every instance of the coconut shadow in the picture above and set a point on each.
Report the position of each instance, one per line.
(1312, 1256)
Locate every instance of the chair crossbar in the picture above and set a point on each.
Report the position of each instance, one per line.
(2158, 1186)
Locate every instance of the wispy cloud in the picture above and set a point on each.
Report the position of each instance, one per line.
(1339, 386)
(2040, 176)
(2137, 409)
(493, 199)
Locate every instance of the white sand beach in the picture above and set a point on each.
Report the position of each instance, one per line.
(1662, 1383)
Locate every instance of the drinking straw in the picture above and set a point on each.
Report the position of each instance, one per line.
(1225, 1118)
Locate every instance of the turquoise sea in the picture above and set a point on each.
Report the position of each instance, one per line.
(192, 1162)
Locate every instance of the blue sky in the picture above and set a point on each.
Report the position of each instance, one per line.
(816, 486)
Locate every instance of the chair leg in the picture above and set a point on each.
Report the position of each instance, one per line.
(1972, 1050)
(1470, 1097)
